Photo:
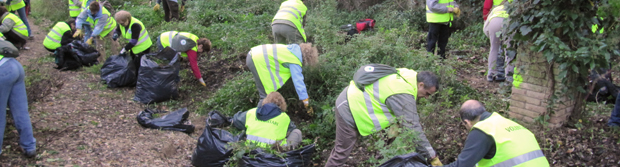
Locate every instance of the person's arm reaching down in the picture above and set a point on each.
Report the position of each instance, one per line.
(477, 146)
(298, 81)
(135, 29)
(435, 7)
(193, 63)
(404, 105)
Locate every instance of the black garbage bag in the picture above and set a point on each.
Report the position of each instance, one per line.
(119, 71)
(217, 119)
(211, 149)
(299, 157)
(65, 59)
(158, 78)
(407, 160)
(173, 121)
(88, 55)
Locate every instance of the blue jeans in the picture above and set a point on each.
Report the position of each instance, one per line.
(614, 120)
(22, 15)
(88, 31)
(13, 93)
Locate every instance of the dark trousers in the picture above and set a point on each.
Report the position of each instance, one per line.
(138, 57)
(12, 37)
(171, 10)
(614, 120)
(438, 35)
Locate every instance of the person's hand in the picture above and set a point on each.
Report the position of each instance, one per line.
(457, 11)
(202, 82)
(450, 10)
(435, 161)
(122, 51)
(182, 8)
(115, 36)
(89, 41)
(156, 7)
(78, 33)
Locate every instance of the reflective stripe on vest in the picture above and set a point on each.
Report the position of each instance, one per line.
(515, 145)
(370, 113)
(266, 132)
(293, 11)
(268, 60)
(53, 38)
(166, 39)
(144, 41)
(19, 26)
(74, 9)
(111, 23)
(432, 17)
(595, 28)
(15, 5)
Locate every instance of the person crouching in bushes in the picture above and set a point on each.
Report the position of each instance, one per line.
(131, 28)
(269, 124)
(99, 17)
(61, 34)
(273, 64)
(189, 45)
(13, 28)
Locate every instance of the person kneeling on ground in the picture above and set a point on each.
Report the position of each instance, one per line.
(273, 64)
(99, 17)
(131, 28)
(13, 28)
(61, 34)
(189, 45)
(269, 124)
(496, 141)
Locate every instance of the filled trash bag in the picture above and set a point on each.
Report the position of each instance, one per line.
(65, 59)
(119, 71)
(88, 55)
(299, 157)
(173, 121)
(211, 150)
(217, 119)
(407, 160)
(158, 78)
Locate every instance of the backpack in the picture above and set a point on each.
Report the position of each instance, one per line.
(365, 24)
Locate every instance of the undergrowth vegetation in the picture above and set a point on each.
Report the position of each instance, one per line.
(235, 26)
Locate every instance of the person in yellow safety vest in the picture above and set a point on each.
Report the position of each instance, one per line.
(189, 45)
(61, 34)
(269, 124)
(19, 6)
(496, 141)
(493, 24)
(94, 22)
(131, 28)
(75, 7)
(372, 102)
(171, 9)
(273, 64)
(13, 28)
(439, 15)
(287, 25)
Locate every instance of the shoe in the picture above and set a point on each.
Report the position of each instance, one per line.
(500, 78)
(489, 78)
(31, 154)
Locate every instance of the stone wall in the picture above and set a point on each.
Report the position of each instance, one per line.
(530, 100)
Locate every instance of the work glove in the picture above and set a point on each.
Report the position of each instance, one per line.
(122, 51)
(309, 109)
(182, 8)
(156, 7)
(89, 41)
(202, 82)
(457, 12)
(78, 33)
(435, 161)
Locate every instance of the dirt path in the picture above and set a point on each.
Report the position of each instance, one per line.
(82, 122)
